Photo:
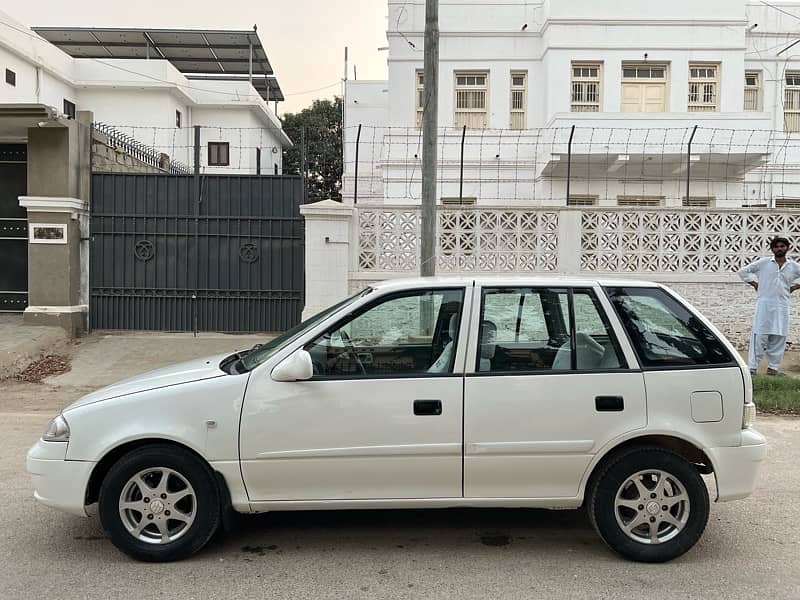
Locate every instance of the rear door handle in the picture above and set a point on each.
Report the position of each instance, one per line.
(609, 403)
(427, 407)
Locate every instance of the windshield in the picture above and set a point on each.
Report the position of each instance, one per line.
(257, 356)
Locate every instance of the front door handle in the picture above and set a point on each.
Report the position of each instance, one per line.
(609, 403)
(428, 407)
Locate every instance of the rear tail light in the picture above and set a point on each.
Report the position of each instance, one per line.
(748, 415)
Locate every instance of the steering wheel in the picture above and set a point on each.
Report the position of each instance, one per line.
(352, 349)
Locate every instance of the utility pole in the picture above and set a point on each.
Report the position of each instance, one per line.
(430, 122)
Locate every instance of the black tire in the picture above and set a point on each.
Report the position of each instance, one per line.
(203, 505)
(671, 541)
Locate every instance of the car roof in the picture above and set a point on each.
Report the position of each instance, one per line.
(507, 280)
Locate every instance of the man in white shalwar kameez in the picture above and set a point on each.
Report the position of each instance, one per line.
(773, 278)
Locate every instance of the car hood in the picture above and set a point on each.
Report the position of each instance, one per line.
(185, 372)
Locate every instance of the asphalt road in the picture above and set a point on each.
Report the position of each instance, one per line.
(751, 548)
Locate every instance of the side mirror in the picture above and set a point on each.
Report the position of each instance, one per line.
(295, 367)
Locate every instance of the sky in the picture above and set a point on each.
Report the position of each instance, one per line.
(304, 39)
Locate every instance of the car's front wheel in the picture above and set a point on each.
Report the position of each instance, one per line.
(649, 505)
(160, 503)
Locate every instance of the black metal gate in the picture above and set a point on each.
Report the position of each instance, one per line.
(162, 261)
(13, 228)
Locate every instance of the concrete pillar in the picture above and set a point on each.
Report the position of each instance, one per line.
(327, 259)
(57, 204)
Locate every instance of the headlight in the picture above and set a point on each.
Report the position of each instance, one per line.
(57, 430)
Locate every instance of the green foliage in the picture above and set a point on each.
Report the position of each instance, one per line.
(322, 122)
(777, 394)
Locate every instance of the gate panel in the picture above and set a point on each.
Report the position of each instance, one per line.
(13, 228)
(233, 263)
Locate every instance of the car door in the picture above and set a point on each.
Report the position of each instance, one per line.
(381, 418)
(548, 383)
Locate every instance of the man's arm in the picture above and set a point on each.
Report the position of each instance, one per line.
(748, 273)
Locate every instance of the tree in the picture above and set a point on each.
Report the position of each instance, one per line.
(323, 140)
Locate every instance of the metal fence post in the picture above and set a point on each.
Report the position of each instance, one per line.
(193, 255)
(303, 163)
(461, 176)
(689, 164)
(569, 160)
(355, 187)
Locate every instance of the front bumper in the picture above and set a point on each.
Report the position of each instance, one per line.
(736, 467)
(58, 482)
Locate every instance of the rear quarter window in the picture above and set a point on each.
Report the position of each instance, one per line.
(663, 331)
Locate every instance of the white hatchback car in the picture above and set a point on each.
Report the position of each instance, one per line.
(443, 392)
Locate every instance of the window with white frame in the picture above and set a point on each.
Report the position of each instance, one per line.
(585, 87)
(752, 91)
(644, 88)
(581, 200)
(791, 102)
(419, 94)
(471, 100)
(519, 99)
(641, 201)
(703, 88)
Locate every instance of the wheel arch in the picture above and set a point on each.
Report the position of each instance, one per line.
(684, 448)
(104, 465)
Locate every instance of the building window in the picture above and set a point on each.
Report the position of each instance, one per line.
(644, 88)
(178, 119)
(791, 102)
(584, 200)
(787, 203)
(641, 201)
(519, 99)
(420, 96)
(703, 88)
(585, 88)
(752, 91)
(11, 77)
(455, 201)
(218, 154)
(69, 109)
(698, 202)
(471, 101)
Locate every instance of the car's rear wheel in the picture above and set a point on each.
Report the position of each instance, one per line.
(160, 503)
(649, 505)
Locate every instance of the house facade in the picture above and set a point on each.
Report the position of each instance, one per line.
(587, 102)
(153, 86)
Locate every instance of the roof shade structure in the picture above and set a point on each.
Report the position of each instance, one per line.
(224, 54)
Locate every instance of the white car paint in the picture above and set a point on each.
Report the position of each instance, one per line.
(527, 440)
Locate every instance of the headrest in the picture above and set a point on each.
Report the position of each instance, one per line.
(452, 328)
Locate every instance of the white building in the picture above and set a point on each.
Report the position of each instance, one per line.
(152, 85)
(633, 77)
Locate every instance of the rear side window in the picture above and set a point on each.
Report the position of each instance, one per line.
(663, 331)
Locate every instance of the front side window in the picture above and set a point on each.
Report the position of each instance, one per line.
(471, 101)
(663, 331)
(218, 154)
(405, 335)
(519, 100)
(703, 82)
(538, 329)
(419, 96)
(585, 87)
(791, 102)
(752, 91)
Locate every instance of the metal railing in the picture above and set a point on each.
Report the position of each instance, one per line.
(141, 152)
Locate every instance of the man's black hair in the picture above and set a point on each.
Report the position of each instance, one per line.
(779, 240)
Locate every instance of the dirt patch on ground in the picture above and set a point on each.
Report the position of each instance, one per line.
(45, 366)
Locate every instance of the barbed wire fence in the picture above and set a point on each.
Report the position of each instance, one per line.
(582, 166)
